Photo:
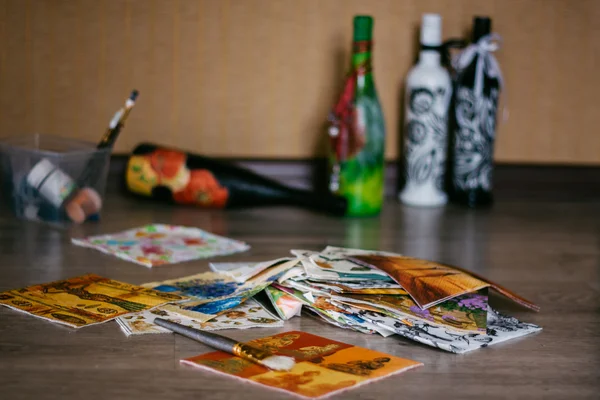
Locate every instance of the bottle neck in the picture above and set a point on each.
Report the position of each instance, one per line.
(264, 191)
(481, 27)
(478, 36)
(429, 57)
(361, 63)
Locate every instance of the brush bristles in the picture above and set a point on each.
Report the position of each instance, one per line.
(279, 363)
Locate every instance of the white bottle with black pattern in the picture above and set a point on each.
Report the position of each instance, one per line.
(428, 93)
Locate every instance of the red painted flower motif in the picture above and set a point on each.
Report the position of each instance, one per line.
(194, 242)
(151, 249)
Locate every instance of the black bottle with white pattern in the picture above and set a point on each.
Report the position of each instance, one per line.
(473, 130)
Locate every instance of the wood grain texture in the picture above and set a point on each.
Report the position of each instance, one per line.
(256, 78)
(546, 251)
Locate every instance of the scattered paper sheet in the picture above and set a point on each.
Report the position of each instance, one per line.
(287, 306)
(243, 271)
(324, 367)
(371, 306)
(158, 244)
(360, 287)
(500, 328)
(206, 309)
(430, 283)
(85, 300)
(336, 266)
(330, 313)
(206, 285)
(213, 294)
(250, 314)
(466, 313)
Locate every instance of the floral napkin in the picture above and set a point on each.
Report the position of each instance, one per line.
(158, 244)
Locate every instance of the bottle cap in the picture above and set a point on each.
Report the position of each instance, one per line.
(51, 182)
(363, 28)
(431, 30)
(481, 26)
(39, 172)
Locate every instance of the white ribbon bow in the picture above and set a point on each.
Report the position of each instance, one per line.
(484, 48)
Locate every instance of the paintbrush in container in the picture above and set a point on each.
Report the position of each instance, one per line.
(223, 343)
(117, 122)
(77, 199)
(86, 201)
(89, 176)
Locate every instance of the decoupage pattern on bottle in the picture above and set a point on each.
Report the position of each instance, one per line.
(358, 167)
(475, 129)
(171, 175)
(357, 135)
(426, 138)
(165, 168)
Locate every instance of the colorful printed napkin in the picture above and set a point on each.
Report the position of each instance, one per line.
(456, 316)
(85, 300)
(286, 305)
(360, 287)
(208, 309)
(251, 314)
(500, 328)
(323, 367)
(213, 294)
(243, 271)
(322, 308)
(157, 244)
(466, 313)
(206, 285)
(348, 321)
(430, 283)
(335, 265)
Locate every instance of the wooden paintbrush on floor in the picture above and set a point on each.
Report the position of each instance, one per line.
(223, 343)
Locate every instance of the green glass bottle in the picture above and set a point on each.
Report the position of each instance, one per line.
(357, 132)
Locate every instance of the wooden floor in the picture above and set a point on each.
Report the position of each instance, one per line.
(547, 252)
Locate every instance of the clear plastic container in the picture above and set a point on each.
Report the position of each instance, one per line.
(53, 179)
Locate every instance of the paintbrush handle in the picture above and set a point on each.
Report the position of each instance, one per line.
(218, 342)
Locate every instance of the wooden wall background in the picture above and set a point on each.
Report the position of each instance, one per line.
(256, 78)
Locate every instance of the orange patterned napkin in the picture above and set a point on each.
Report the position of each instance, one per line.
(323, 366)
(430, 283)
